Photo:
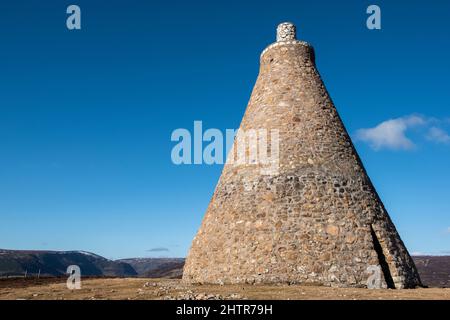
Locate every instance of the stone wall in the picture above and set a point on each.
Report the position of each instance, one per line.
(319, 219)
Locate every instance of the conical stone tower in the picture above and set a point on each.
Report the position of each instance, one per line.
(317, 218)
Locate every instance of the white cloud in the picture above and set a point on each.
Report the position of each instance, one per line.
(158, 249)
(438, 135)
(391, 134)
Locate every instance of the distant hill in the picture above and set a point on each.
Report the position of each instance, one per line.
(55, 263)
(434, 270)
(157, 267)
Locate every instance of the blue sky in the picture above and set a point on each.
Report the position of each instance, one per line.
(86, 116)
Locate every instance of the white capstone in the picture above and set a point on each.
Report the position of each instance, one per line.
(286, 31)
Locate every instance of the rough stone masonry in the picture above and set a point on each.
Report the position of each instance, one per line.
(319, 220)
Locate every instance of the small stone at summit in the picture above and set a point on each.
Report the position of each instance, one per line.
(286, 31)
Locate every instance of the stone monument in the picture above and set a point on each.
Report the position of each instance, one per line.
(318, 220)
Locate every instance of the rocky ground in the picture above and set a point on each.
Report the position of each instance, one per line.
(164, 289)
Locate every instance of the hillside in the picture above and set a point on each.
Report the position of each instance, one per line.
(157, 267)
(434, 270)
(55, 263)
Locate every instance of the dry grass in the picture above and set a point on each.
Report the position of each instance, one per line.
(143, 289)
